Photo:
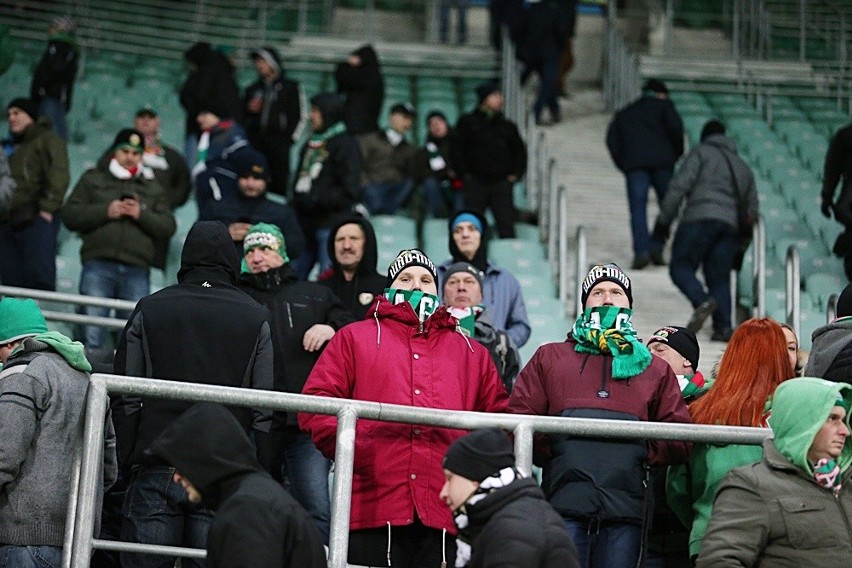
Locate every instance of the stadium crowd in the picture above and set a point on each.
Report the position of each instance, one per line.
(282, 292)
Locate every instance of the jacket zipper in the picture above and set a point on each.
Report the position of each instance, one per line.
(289, 314)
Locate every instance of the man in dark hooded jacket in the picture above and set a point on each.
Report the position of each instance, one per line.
(353, 277)
(201, 330)
(360, 79)
(257, 523)
(305, 316)
(328, 181)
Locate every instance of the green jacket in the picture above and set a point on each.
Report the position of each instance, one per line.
(690, 488)
(773, 513)
(124, 240)
(40, 168)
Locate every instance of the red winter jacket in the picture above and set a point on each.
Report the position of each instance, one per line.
(386, 358)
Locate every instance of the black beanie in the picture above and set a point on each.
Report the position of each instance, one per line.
(656, 86)
(712, 127)
(680, 339)
(411, 257)
(464, 267)
(606, 273)
(480, 454)
(844, 302)
(29, 106)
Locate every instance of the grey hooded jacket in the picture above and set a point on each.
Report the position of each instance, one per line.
(831, 352)
(711, 192)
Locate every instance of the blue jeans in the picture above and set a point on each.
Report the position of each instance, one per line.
(437, 203)
(28, 254)
(444, 20)
(316, 250)
(547, 90)
(306, 472)
(386, 198)
(711, 245)
(156, 511)
(638, 183)
(55, 110)
(30, 556)
(110, 279)
(606, 545)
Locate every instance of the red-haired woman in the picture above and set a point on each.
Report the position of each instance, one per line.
(754, 363)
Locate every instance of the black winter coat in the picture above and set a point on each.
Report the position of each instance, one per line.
(647, 134)
(838, 168)
(213, 86)
(283, 114)
(201, 330)
(515, 527)
(359, 293)
(337, 188)
(364, 88)
(257, 523)
(488, 147)
(54, 75)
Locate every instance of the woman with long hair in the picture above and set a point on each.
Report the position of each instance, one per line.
(754, 363)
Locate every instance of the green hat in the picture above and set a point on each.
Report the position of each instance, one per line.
(264, 235)
(20, 319)
(129, 138)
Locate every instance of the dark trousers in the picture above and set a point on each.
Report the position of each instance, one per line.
(639, 182)
(28, 254)
(497, 195)
(411, 546)
(548, 88)
(710, 245)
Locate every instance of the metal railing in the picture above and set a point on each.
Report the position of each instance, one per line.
(513, 93)
(580, 264)
(80, 540)
(793, 290)
(758, 269)
(831, 308)
(621, 77)
(75, 299)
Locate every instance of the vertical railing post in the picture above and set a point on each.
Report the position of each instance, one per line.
(524, 448)
(562, 288)
(580, 266)
(792, 285)
(732, 283)
(91, 468)
(344, 467)
(758, 255)
(831, 309)
(73, 500)
(802, 32)
(551, 214)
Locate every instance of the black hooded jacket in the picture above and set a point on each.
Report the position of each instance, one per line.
(201, 330)
(364, 88)
(337, 187)
(488, 147)
(356, 294)
(515, 526)
(257, 523)
(211, 86)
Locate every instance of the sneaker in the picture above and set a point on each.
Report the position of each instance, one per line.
(657, 258)
(640, 262)
(700, 315)
(723, 335)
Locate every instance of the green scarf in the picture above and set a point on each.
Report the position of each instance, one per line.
(72, 351)
(424, 304)
(467, 318)
(316, 151)
(607, 329)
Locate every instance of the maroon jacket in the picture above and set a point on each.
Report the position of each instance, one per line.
(594, 478)
(386, 358)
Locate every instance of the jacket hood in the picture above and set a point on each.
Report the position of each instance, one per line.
(331, 106)
(199, 53)
(209, 253)
(721, 141)
(207, 445)
(799, 409)
(371, 254)
(72, 351)
(828, 341)
(383, 309)
(480, 258)
(368, 56)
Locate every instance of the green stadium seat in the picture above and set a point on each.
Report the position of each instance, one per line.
(518, 256)
(393, 233)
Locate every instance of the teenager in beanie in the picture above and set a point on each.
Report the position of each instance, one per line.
(600, 487)
(503, 518)
(409, 351)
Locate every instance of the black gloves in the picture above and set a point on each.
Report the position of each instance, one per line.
(661, 232)
(826, 209)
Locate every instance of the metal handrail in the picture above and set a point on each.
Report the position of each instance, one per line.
(75, 299)
(83, 498)
(831, 308)
(793, 290)
(551, 214)
(562, 247)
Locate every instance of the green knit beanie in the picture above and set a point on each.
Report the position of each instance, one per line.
(263, 235)
(19, 319)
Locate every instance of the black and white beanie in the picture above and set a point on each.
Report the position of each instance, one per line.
(607, 273)
(410, 257)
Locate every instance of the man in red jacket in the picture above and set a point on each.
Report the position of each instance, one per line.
(408, 351)
(601, 487)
